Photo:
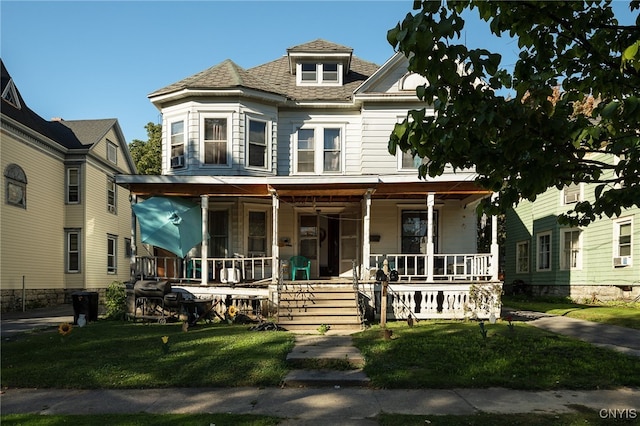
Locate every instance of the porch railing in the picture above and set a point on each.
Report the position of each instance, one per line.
(444, 301)
(446, 267)
(228, 269)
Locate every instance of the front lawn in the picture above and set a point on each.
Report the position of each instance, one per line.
(621, 313)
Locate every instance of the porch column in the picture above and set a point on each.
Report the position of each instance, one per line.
(275, 249)
(366, 231)
(133, 199)
(204, 271)
(430, 203)
(495, 249)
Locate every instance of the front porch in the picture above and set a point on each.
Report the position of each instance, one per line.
(461, 288)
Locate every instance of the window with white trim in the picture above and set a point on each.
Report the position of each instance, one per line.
(112, 255)
(544, 251)
(319, 150)
(111, 196)
(622, 242)
(177, 144)
(257, 144)
(73, 185)
(571, 193)
(112, 152)
(325, 73)
(522, 257)
(72, 250)
(215, 143)
(571, 253)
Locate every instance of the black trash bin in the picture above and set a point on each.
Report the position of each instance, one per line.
(85, 303)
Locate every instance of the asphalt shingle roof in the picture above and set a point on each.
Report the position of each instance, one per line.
(75, 134)
(275, 77)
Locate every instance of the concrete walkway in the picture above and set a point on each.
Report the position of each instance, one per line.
(331, 400)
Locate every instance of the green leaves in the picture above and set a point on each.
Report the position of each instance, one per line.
(584, 132)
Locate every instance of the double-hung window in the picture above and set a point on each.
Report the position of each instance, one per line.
(177, 144)
(319, 150)
(112, 258)
(544, 251)
(216, 141)
(622, 242)
(571, 254)
(73, 185)
(111, 196)
(257, 146)
(72, 250)
(522, 257)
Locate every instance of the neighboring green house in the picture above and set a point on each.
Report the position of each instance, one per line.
(600, 261)
(65, 224)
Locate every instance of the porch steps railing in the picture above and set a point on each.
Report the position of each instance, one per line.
(309, 305)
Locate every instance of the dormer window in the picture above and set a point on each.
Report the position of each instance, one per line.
(311, 73)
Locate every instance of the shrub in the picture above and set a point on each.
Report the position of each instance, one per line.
(116, 304)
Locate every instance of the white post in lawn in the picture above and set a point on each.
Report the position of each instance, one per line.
(204, 271)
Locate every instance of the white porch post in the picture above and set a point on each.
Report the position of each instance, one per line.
(134, 238)
(495, 249)
(204, 271)
(366, 231)
(275, 249)
(430, 203)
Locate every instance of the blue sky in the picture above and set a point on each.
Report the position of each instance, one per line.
(100, 59)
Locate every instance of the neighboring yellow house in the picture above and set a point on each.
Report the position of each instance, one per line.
(65, 224)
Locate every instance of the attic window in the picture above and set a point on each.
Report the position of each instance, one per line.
(11, 95)
(309, 73)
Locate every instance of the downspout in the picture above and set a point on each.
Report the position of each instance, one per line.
(204, 271)
(275, 249)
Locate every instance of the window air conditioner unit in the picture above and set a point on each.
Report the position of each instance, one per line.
(177, 161)
(622, 261)
(571, 198)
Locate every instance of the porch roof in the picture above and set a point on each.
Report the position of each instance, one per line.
(306, 188)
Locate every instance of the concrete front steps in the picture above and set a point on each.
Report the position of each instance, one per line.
(303, 307)
(325, 361)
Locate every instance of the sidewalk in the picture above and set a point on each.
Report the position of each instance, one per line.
(331, 403)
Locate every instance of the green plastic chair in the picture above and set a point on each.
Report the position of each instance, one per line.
(299, 263)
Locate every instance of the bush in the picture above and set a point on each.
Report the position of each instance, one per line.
(116, 303)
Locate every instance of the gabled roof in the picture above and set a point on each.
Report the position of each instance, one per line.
(275, 77)
(74, 134)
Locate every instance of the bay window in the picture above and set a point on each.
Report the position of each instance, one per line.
(216, 140)
(257, 146)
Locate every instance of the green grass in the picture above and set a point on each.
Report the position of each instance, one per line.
(450, 354)
(142, 419)
(119, 355)
(584, 417)
(624, 314)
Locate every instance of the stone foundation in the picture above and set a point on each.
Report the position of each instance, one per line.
(585, 293)
(12, 300)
